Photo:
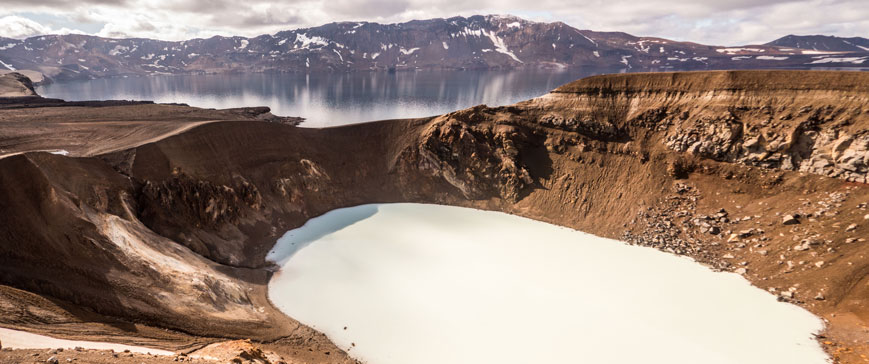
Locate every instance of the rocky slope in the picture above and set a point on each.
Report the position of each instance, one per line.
(477, 42)
(724, 167)
(823, 43)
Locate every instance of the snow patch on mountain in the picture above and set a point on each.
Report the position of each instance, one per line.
(500, 47)
(625, 61)
(854, 60)
(308, 41)
(772, 58)
(466, 32)
(818, 52)
(118, 50)
(8, 66)
(738, 50)
(589, 39)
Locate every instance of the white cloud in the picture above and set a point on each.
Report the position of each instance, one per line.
(12, 26)
(707, 21)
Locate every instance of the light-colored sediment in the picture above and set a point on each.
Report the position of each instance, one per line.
(17, 339)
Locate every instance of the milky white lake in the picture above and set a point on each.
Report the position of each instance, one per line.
(419, 284)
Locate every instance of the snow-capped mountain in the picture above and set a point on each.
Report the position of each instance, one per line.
(823, 43)
(477, 42)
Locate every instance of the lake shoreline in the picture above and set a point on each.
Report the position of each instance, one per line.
(471, 275)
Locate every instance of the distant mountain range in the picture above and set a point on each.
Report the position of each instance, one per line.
(477, 42)
(824, 43)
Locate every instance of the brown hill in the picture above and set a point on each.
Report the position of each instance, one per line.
(15, 85)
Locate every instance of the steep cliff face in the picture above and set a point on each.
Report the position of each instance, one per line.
(701, 164)
(812, 122)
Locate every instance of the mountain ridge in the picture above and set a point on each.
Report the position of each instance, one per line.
(475, 42)
(824, 42)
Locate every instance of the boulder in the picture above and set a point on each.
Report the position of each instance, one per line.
(790, 220)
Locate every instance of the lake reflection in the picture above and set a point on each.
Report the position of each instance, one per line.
(330, 99)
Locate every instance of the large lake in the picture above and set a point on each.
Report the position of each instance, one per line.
(429, 284)
(330, 99)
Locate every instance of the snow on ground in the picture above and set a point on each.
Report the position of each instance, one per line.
(408, 51)
(24, 340)
(446, 46)
(414, 283)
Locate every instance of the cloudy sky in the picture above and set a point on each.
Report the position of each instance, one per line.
(720, 22)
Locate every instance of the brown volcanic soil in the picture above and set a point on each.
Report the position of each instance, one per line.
(15, 85)
(703, 164)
